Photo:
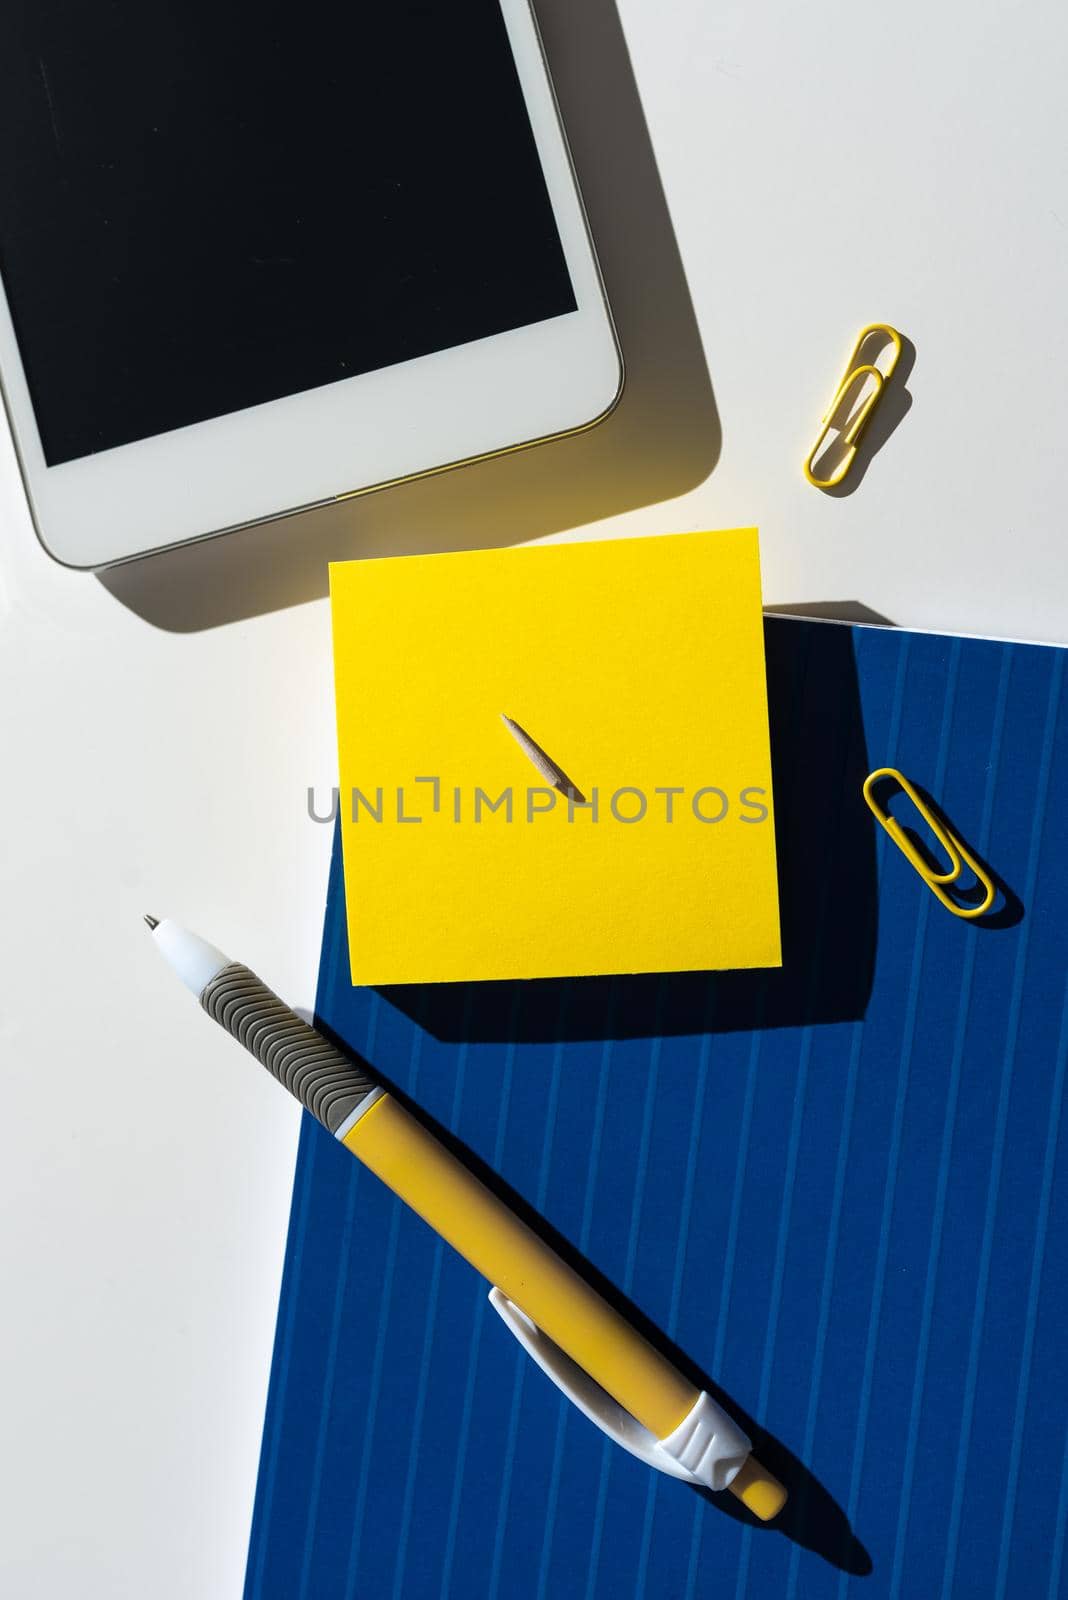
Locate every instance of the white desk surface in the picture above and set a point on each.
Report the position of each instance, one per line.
(824, 166)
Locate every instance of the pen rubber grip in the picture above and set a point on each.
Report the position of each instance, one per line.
(500, 1245)
(325, 1082)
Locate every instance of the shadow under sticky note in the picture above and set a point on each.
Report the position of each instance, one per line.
(855, 1226)
(633, 666)
(825, 848)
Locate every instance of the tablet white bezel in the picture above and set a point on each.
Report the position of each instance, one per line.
(438, 410)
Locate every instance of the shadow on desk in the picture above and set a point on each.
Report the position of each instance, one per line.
(825, 839)
(662, 439)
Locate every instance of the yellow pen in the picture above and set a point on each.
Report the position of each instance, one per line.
(593, 1353)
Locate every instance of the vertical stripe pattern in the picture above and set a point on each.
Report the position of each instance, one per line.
(841, 1190)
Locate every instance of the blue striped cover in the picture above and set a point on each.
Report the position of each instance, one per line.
(841, 1190)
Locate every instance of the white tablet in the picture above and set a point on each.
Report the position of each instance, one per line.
(254, 258)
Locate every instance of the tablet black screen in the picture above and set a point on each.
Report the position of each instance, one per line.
(204, 206)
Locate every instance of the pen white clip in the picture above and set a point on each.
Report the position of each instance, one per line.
(707, 1448)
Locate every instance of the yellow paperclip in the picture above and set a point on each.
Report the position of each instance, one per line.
(844, 396)
(959, 856)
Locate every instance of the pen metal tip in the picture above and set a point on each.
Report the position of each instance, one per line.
(153, 922)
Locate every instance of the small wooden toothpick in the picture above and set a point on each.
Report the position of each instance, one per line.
(555, 776)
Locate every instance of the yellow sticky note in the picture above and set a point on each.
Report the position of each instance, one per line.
(637, 667)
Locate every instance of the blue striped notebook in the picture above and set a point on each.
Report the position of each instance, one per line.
(839, 1190)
